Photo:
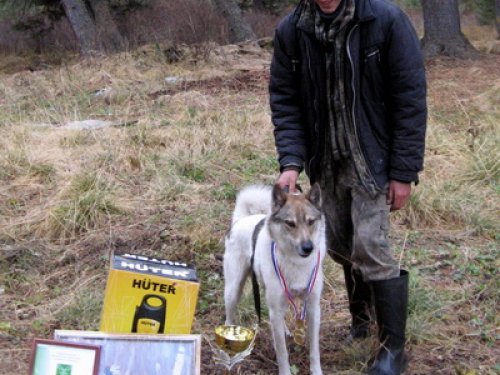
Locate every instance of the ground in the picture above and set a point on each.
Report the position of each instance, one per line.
(452, 327)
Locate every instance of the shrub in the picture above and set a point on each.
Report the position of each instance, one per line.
(485, 11)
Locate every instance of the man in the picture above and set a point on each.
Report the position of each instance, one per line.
(348, 102)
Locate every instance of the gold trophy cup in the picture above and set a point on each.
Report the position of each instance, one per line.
(233, 344)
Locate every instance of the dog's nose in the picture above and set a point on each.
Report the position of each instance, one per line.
(307, 247)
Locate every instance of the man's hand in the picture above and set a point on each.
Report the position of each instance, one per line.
(288, 178)
(398, 194)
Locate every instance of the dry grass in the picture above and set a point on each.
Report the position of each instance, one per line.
(460, 183)
(162, 182)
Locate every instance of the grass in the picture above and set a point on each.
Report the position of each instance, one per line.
(163, 184)
(83, 205)
(461, 178)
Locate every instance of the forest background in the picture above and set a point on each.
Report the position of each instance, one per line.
(111, 25)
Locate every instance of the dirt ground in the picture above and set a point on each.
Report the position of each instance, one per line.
(450, 343)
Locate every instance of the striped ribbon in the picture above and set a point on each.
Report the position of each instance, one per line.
(312, 281)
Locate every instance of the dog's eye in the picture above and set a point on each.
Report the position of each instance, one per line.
(310, 222)
(290, 223)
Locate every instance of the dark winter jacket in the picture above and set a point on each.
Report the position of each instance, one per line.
(387, 95)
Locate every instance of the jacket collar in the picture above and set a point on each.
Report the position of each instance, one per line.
(364, 11)
(302, 23)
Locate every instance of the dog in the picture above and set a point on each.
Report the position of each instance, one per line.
(278, 238)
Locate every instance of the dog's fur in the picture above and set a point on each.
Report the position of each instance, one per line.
(296, 225)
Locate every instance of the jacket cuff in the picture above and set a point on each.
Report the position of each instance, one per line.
(293, 167)
(402, 176)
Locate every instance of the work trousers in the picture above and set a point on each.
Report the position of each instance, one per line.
(357, 223)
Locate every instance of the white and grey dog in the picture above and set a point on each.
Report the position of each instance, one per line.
(280, 237)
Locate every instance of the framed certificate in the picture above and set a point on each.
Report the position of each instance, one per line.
(53, 357)
(141, 353)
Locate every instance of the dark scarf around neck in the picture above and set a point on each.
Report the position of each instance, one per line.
(333, 37)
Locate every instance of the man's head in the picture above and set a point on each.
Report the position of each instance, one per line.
(328, 6)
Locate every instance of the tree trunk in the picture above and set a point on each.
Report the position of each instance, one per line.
(107, 30)
(497, 17)
(93, 25)
(239, 29)
(83, 24)
(442, 31)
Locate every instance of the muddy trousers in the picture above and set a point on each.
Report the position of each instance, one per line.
(357, 224)
(357, 234)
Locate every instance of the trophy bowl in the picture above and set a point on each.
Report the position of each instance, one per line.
(233, 338)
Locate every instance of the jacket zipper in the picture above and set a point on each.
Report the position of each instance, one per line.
(315, 107)
(376, 52)
(353, 114)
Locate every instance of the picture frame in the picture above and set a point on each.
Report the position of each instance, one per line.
(138, 354)
(53, 357)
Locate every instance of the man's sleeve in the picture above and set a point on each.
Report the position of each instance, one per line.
(407, 90)
(284, 97)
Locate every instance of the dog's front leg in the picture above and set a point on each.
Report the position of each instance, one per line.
(313, 325)
(277, 318)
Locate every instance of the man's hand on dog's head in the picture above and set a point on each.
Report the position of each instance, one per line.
(287, 180)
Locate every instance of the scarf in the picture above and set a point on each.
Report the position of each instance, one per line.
(333, 37)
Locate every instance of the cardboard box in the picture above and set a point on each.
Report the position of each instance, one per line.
(147, 295)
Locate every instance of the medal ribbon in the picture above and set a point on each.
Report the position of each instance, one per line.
(312, 280)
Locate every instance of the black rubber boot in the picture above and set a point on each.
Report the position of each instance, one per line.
(359, 295)
(391, 302)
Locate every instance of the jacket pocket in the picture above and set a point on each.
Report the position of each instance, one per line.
(372, 54)
(372, 83)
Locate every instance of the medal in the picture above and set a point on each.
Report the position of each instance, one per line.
(299, 333)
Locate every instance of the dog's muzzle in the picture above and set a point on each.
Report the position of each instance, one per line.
(306, 248)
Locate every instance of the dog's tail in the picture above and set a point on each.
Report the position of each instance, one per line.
(253, 200)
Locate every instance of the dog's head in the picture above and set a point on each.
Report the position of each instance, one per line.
(296, 221)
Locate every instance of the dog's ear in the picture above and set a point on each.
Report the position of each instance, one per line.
(279, 198)
(314, 195)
